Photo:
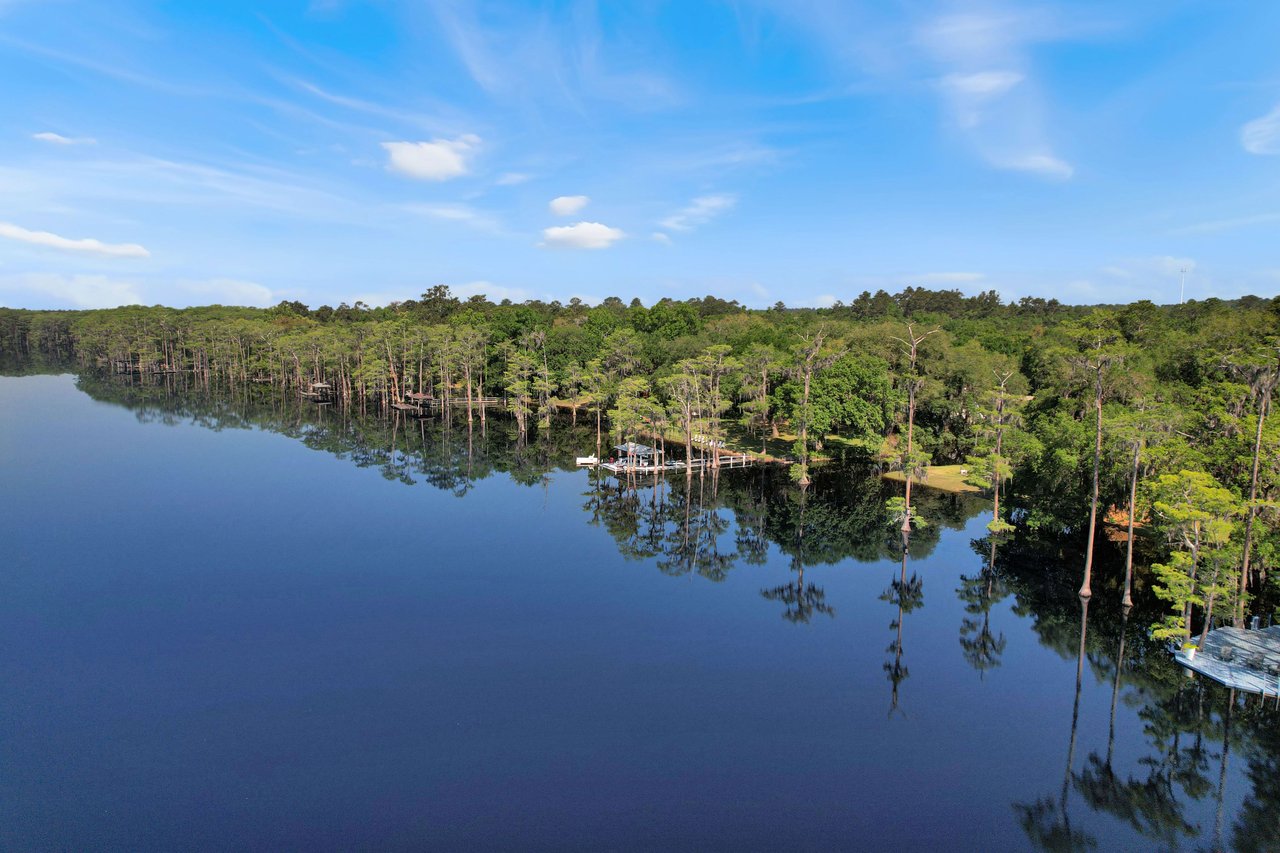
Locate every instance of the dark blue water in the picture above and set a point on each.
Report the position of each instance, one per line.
(247, 629)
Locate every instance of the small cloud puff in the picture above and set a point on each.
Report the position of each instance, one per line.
(437, 160)
(583, 235)
(67, 244)
(567, 205)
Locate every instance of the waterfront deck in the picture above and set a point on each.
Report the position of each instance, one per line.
(1248, 661)
(727, 460)
(422, 405)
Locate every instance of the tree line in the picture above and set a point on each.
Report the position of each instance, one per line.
(1154, 419)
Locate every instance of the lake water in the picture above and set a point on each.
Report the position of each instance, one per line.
(230, 625)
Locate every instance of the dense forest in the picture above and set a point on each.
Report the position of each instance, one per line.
(1150, 418)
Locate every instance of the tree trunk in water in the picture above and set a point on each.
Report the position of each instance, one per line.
(470, 398)
(1127, 601)
(804, 429)
(1208, 607)
(688, 443)
(1186, 608)
(1085, 590)
(907, 468)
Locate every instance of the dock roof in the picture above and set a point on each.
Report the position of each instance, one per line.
(633, 449)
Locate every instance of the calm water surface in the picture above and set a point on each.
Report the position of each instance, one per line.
(227, 625)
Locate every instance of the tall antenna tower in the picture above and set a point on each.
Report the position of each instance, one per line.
(1182, 286)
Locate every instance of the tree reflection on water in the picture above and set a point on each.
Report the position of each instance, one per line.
(1190, 733)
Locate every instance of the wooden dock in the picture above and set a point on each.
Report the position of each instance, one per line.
(1246, 660)
(622, 466)
(421, 405)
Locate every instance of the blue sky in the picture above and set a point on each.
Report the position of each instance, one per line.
(799, 150)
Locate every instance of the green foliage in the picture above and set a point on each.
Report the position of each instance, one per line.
(897, 511)
(1187, 387)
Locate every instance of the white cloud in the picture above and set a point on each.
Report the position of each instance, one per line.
(437, 160)
(583, 235)
(510, 179)
(826, 300)
(699, 212)
(230, 291)
(948, 277)
(660, 237)
(88, 244)
(80, 291)
(59, 139)
(983, 84)
(1262, 135)
(567, 205)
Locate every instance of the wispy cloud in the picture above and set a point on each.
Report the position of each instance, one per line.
(583, 235)
(59, 139)
(86, 245)
(982, 84)
(511, 179)
(461, 213)
(1262, 135)
(713, 158)
(1158, 265)
(698, 212)
(661, 237)
(1215, 225)
(1041, 164)
(437, 160)
(369, 107)
(229, 291)
(948, 277)
(978, 54)
(567, 205)
(493, 292)
(551, 55)
(987, 87)
(80, 291)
